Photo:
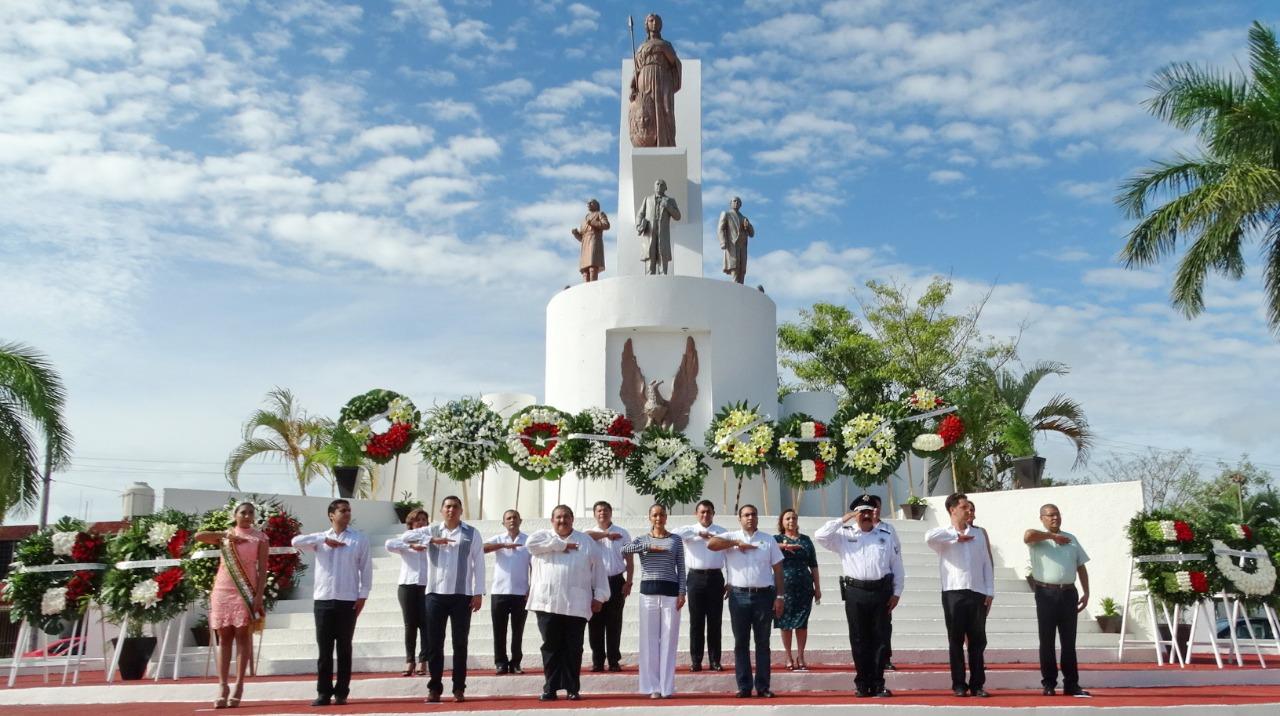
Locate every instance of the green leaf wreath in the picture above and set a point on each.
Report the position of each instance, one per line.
(871, 461)
(801, 458)
(461, 438)
(356, 416)
(150, 595)
(534, 444)
(48, 600)
(742, 438)
(599, 459)
(1184, 583)
(680, 480)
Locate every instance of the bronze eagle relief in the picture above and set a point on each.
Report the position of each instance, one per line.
(643, 399)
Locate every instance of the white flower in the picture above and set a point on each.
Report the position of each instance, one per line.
(145, 593)
(1259, 583)
(160, 534)
(1168, 532)
(54, 600)
(1237, 531)
(807, 430)
(63, 542)
(927, 442)
(1184, 581)
(808, 472)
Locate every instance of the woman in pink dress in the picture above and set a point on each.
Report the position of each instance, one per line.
(236, 601)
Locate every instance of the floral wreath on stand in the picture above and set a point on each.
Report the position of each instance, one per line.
(462, 438)
(667, 467)
(1251, 580)
(741, 437)
(871, 446)
(933, 436)
(534, 445)
(49, 598)
(1173, 581)
(595, 456)
(270, 516)
(361, 412)
(806, 453)
(156, 593)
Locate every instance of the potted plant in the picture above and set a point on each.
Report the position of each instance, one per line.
(1109, 619)
(1018, 441)
(913, 508)
(405, 505)
(200, 632)
(345, 456)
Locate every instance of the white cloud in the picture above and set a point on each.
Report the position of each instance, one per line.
(578, 173)
(508, 91)
(388, 137)
(945, 176)
(1120, 278)
(438, 26)
(569, 96)
(1093, 191)
(582, 19)
(451, 110)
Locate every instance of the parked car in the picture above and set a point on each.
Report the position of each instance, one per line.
(57, 648)
(1261, 629)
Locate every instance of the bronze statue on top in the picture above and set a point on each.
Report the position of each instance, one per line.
(734, 230)
(591, 236)
(651, 118)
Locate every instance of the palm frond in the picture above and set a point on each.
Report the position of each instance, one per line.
(34, 385)
(1271, 275)
(1015, 390)
(1065, 416)
(248, 450)
(20, 477)
(1264, 56)
(1188, 96)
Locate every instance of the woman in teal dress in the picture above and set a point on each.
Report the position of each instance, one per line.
(800, 586)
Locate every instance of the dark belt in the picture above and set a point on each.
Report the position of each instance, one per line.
(1046, 585)
(752, 590)
(867, 584)
(704, 571)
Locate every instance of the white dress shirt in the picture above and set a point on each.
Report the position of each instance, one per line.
(413, 563)
(566, 581)
(510, 565)
(867, 556)
(962, 565)
(614, 562)
(343, 573)
(696, 554)
(892, 530)
(454, 568)
(751, 567)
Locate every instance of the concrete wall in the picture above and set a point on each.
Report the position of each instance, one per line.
(312, 512)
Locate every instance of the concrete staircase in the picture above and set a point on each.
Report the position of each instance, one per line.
(288, 643)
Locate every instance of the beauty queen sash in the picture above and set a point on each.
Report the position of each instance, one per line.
(239, 577)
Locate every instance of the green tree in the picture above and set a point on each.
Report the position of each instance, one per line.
(32, 400)
(1227, 194)
(282, 432)
(1239, 488)
(828, 350)
(1170, 479)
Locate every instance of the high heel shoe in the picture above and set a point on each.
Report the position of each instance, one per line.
(408, 670)
(221, 701)
(234, 701)
(422, 669)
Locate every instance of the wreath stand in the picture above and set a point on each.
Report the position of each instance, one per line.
(1170, 620)
(1233, 609)
(79, 629)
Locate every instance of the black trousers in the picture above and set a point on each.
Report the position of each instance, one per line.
(867, 611)
(335, 625)
(1056, 613)
(414, 611)
(605, 627)
(966, 618)
(456, 609)
(508, 607)
(751, 615)
(561, 651)
(705, 594)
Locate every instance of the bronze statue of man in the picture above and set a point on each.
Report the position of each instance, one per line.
(651, 117)
(734, 229)
(653, 225)
(591, 236)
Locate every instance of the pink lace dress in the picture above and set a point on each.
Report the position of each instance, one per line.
(226, 606)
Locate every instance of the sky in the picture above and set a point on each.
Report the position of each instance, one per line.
(200, 201)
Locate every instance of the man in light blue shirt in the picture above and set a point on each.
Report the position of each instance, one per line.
(1056, 560)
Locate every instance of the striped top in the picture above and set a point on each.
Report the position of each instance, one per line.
(659, 567)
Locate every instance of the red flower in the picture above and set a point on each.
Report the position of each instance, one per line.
(622, 427)
(819, 429)
(1199, 582)
(87, 548)
(167, 580)
(819, 467)
(1183, 531)
(1248, 532)
(950, 429)
(383, 446)
(546, 431)
(80, 584)
(177, 543)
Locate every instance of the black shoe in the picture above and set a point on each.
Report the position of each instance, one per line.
(597, 668)
(715, 666)
(574, 696)
(960, 691)
(1048, 691)
(504, 669)
(321, 701)
(766, 694)
(517, 670)
(615, 667)
(745, 694)
(980, 693)
(459, 696)
(884, 693)
(888, 666)
(433, 696)
(695, 668)
(547, 696)
(862, 693)
(339, 700)
(1078, 693)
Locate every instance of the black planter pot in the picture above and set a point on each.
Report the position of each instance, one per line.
(1184, 639)
(1110, 624)
(200, 635)
(134, 655)
(403, 512)
(346, 477)
(913, 512)
(1027, 471)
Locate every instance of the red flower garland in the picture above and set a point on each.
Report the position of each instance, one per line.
(383, 446)
(1248, 532)
(546, 431)
(177, 543)
(87, 548)
(819, 467)
(622, 428)
(167, 580)
(1199, 582)
(1184, 533)
(80, 584)
(819, 430)
(951, 429)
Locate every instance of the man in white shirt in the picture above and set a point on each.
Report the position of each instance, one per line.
(343, 578)
(568, 584)
(753, 570)
(455, 589)
(888, 639)
(968, 586)
(605, 628)
(871, 585)
(510, 591)
(705, 583)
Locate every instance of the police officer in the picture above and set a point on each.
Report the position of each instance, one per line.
(871, 562)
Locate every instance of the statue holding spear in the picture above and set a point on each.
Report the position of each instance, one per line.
(651, 117)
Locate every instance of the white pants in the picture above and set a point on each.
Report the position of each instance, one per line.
(659, 636)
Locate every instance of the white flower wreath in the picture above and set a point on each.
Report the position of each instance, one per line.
(1258, 583)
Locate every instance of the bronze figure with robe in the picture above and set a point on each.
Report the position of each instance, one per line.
(591, 236)
(734, 229)
(651, 118)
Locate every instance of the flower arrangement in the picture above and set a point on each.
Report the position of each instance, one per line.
(870, 444)
(595, 459)
(1251, 579)
(806, 452)
(534, 445)
(1179, 580)
(651, 469)
(48, 599)
(932, 434)
(461, 438)
(361, 412)
(274, 520)
(740, 437)
(154, 594)
(922, 400)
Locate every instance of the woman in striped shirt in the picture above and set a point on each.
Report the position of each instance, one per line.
(662, 591)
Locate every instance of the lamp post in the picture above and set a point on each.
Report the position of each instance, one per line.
(1238, 478)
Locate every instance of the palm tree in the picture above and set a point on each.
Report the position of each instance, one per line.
(31, 399)
(1229, 193)
(291, 436)
(1061, 415)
